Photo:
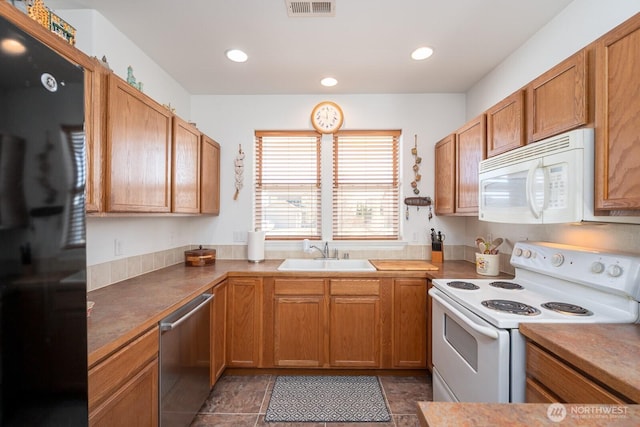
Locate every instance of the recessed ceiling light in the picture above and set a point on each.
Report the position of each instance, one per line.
(328, 82)
(236, 55)
(12, 47)
(421, 53)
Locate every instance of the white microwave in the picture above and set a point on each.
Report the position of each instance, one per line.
(546, 182)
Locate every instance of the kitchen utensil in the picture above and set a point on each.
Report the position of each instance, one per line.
(493, 249)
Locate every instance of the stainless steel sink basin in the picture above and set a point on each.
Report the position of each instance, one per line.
(305, 264)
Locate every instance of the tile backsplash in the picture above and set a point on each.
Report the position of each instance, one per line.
(101, 275)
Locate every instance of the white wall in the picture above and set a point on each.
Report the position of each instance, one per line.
(232, 120)
(96, 36)
(580, 23)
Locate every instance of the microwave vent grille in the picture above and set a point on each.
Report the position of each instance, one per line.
(528, 152)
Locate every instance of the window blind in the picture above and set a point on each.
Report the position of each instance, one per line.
(366, 185)
(287, 185)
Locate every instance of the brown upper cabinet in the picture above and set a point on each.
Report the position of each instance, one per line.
(95, 78)
(558, 99)
(210, 177)
(506, 125)
(457, 157)
(138, 172)
(185, 183)
(617, 118)
(471, 147)
(445, 179)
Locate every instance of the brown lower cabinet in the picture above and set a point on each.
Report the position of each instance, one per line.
(218, 331)
(551, 379)
(355, 323)
(244, 322)
(341, 322)
(410, 323)
(123, 389)
(267, 322)
(299, 316)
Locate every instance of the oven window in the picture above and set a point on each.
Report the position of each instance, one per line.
(462, 341)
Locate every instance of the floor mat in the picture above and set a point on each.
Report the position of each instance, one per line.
(327, 399)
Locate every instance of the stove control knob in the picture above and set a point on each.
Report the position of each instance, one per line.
(557, 260)
(597, 267)
(518, 251)
(526, 253)
(614, 270)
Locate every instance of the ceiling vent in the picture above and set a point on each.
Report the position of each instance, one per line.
(311, 8)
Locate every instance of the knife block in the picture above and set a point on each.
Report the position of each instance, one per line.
(437, 256)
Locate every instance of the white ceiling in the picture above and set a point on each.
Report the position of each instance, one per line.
(366, 46)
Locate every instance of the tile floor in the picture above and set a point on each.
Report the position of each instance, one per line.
(242, 400)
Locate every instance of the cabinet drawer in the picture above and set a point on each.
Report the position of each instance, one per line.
(109, 375)
(569, 385)
(535, 393)
(355, 287)
(298, 286)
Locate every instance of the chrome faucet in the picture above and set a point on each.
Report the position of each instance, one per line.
(325, 251)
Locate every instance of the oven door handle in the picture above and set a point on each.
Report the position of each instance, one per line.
(484, 330)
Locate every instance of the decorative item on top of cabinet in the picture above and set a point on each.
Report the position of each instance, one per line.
(131, 79)
(445, 175)
(471, 147)
(185, 182)
(210, 177)
(557, 100)
(138, 173)
(617, 119)
(506, 125)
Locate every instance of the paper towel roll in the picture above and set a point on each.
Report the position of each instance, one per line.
(255, 246)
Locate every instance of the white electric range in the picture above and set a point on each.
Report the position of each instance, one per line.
(478, 352)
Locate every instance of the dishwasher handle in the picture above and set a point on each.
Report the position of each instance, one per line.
(168, 323)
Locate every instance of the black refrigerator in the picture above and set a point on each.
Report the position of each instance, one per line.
(43, 314)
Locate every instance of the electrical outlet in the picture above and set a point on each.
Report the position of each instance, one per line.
(240, 237)
(117, 247)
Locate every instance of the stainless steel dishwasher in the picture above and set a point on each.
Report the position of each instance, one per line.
(185, 350)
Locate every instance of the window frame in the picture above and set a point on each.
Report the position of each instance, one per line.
(349, 181)
(315, 196)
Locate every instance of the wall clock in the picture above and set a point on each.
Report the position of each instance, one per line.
(327, 117)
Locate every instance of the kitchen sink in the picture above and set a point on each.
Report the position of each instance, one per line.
(306, 264)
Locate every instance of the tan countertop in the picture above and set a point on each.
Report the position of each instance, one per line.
(445, 414)
(126, 309)
(609, 353)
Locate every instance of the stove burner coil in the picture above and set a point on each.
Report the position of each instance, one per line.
(506, 285)
(513, 307)
(468, 286)
(566, 308)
